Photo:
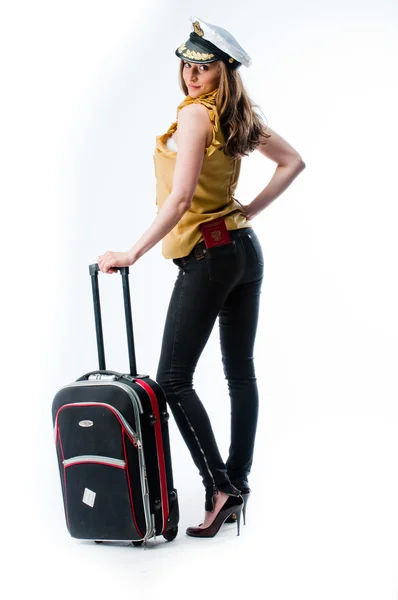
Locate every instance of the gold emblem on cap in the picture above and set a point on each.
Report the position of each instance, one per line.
(231, 60)
(197, 29)
(193, 54)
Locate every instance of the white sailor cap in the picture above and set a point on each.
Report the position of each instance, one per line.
(208, 43)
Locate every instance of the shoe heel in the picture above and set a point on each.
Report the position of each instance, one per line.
(245, 499)
(238, 514)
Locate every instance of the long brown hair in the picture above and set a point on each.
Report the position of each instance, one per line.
(242, 127)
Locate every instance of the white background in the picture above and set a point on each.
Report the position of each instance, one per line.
(86, 87)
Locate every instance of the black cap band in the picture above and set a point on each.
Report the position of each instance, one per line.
(220, 54)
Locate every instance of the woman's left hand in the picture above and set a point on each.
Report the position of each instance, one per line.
(110, 259)
(245, 210)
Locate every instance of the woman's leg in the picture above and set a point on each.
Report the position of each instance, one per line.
(192, 312)
(238, 325)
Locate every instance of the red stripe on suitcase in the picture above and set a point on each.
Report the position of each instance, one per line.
(160, 450)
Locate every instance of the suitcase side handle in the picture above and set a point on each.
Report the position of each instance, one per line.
(124, 271)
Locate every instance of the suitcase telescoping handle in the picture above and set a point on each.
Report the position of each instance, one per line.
(124, 271)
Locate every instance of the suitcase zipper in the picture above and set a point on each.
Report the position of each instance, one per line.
(125, 424)
(135, 400)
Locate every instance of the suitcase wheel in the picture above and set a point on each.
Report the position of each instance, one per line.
(170, 534)
(98, 541)
(138, 543)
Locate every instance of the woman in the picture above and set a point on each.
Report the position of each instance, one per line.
(208, 235)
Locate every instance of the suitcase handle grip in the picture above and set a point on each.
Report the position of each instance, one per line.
(124, 271)
(94, 268)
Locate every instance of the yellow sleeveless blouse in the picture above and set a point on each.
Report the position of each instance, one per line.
(213, 196)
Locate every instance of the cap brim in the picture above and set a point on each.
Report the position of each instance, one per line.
(192, 52)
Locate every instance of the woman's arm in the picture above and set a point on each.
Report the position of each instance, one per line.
(193, 126)
(290, 164)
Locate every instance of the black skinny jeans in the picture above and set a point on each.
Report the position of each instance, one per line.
(223, 281)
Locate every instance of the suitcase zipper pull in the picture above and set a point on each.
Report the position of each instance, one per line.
(137, 441)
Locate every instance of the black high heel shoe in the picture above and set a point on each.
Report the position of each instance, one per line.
(233, 505)
(245, 493)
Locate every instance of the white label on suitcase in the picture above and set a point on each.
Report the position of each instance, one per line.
(89, 497)
(86, 423)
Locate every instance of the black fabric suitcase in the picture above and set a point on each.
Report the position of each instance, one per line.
(112, 441)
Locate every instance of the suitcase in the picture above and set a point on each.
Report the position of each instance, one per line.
(112, 441)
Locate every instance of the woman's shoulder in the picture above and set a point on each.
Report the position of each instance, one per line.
(195, 110)
(200, 110)
(194, 118)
